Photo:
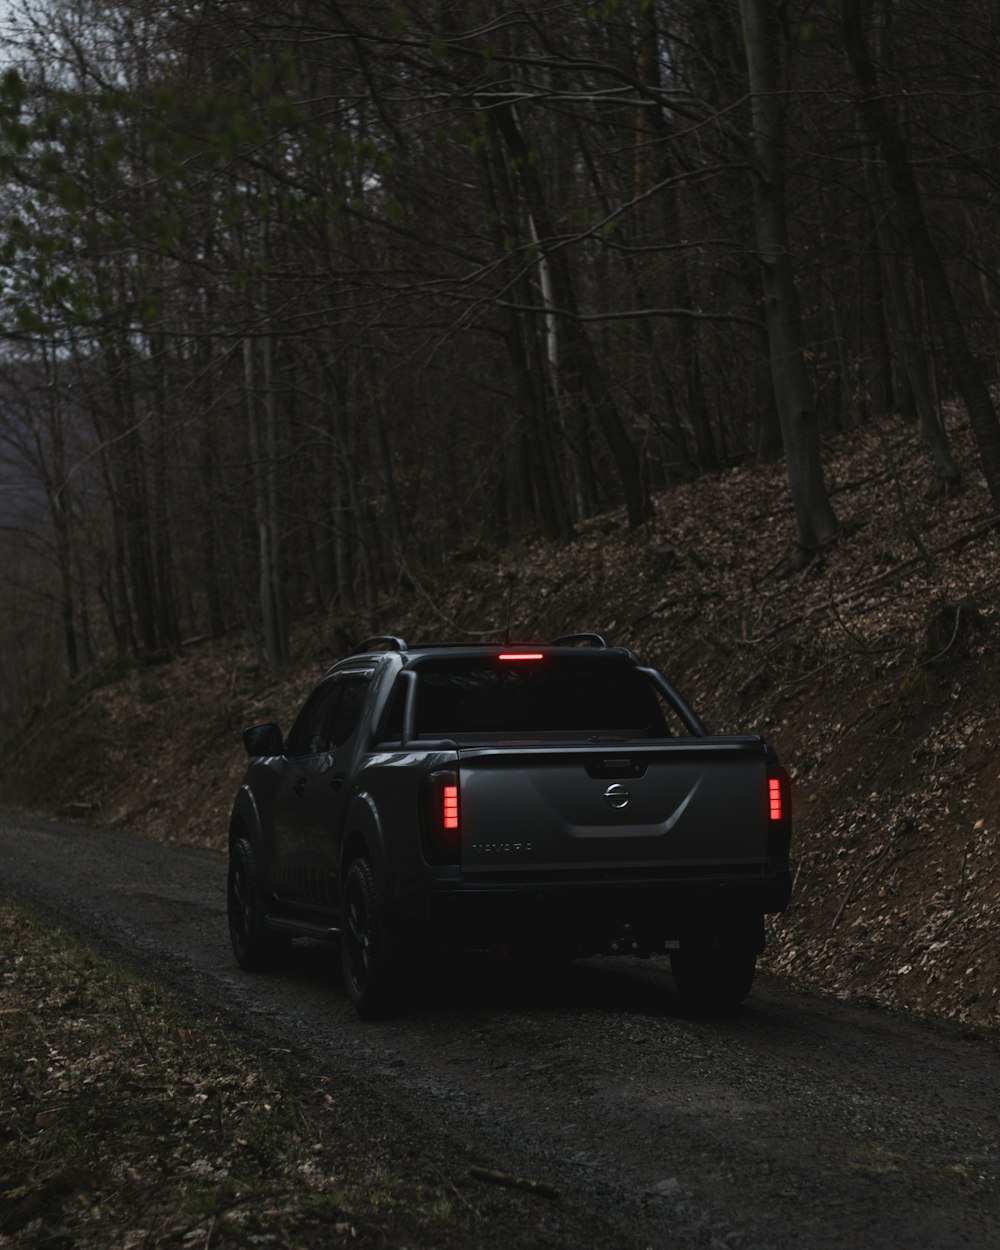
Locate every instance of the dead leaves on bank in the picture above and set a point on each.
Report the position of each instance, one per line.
(123, 1125)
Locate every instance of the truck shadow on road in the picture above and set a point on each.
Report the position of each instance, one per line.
(482, 980)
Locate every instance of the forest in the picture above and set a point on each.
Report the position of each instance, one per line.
(301, 302)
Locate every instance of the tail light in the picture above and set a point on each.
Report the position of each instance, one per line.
(442, 825)
(779, 811)
(776, 802)
(449, 807)
(779, 795)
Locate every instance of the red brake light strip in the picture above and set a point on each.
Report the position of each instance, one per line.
(449, 811)
(774, 798)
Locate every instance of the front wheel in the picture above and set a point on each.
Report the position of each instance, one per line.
(369, 947)
(710, 978)
(254, 946)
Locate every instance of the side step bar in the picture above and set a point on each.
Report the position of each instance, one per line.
(302, 928)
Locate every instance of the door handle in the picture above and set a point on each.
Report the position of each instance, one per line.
(299, 786)
(336, 781)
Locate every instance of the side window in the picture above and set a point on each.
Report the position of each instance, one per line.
(309, 735)
(392, 721)
(347, 711)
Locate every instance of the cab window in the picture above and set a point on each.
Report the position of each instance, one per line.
(310, 734)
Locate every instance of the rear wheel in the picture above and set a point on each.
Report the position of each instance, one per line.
(369, 947)
(712, 978)
(254, 946)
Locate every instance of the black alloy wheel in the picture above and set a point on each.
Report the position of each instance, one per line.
(368, 949)
(254, 947)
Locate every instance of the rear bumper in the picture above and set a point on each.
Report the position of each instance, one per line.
(593, 908)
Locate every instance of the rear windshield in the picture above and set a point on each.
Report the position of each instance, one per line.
(579, 696)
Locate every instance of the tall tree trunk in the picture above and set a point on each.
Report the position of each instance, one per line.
(211, 538)
(50, 462)
(876, 371)
(275, 588)
(931, 429)
(263, 454)
(522, 337)
(650, 126)
(637, 500)
(814, 515)
(940, 300)
(61, 523)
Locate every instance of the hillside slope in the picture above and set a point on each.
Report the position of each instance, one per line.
(874, 672)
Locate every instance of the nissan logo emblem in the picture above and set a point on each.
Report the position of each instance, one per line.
(616, 796)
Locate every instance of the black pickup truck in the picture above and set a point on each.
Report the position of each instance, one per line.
(544, 799)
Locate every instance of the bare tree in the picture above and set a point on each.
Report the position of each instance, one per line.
(941, 301)
(764, 39)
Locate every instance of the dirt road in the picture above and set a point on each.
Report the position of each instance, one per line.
(796, 1122)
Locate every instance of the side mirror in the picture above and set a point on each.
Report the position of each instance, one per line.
(263, 740)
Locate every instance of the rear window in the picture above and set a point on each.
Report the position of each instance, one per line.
(579, 696)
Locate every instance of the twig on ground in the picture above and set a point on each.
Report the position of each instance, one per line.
(509, 1181)
(138, 1027)
(951, 641)
(878, 864)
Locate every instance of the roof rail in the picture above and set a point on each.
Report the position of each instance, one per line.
(386, 642)
(575, 640)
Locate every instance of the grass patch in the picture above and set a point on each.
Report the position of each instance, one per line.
(126, 1121)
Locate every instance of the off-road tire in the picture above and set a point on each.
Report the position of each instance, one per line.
(713, 978)
(369, 947)
(254, 946)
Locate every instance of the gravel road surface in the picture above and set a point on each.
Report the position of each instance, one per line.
(795, 1122)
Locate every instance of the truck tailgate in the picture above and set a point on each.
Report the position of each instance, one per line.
(676, 805)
